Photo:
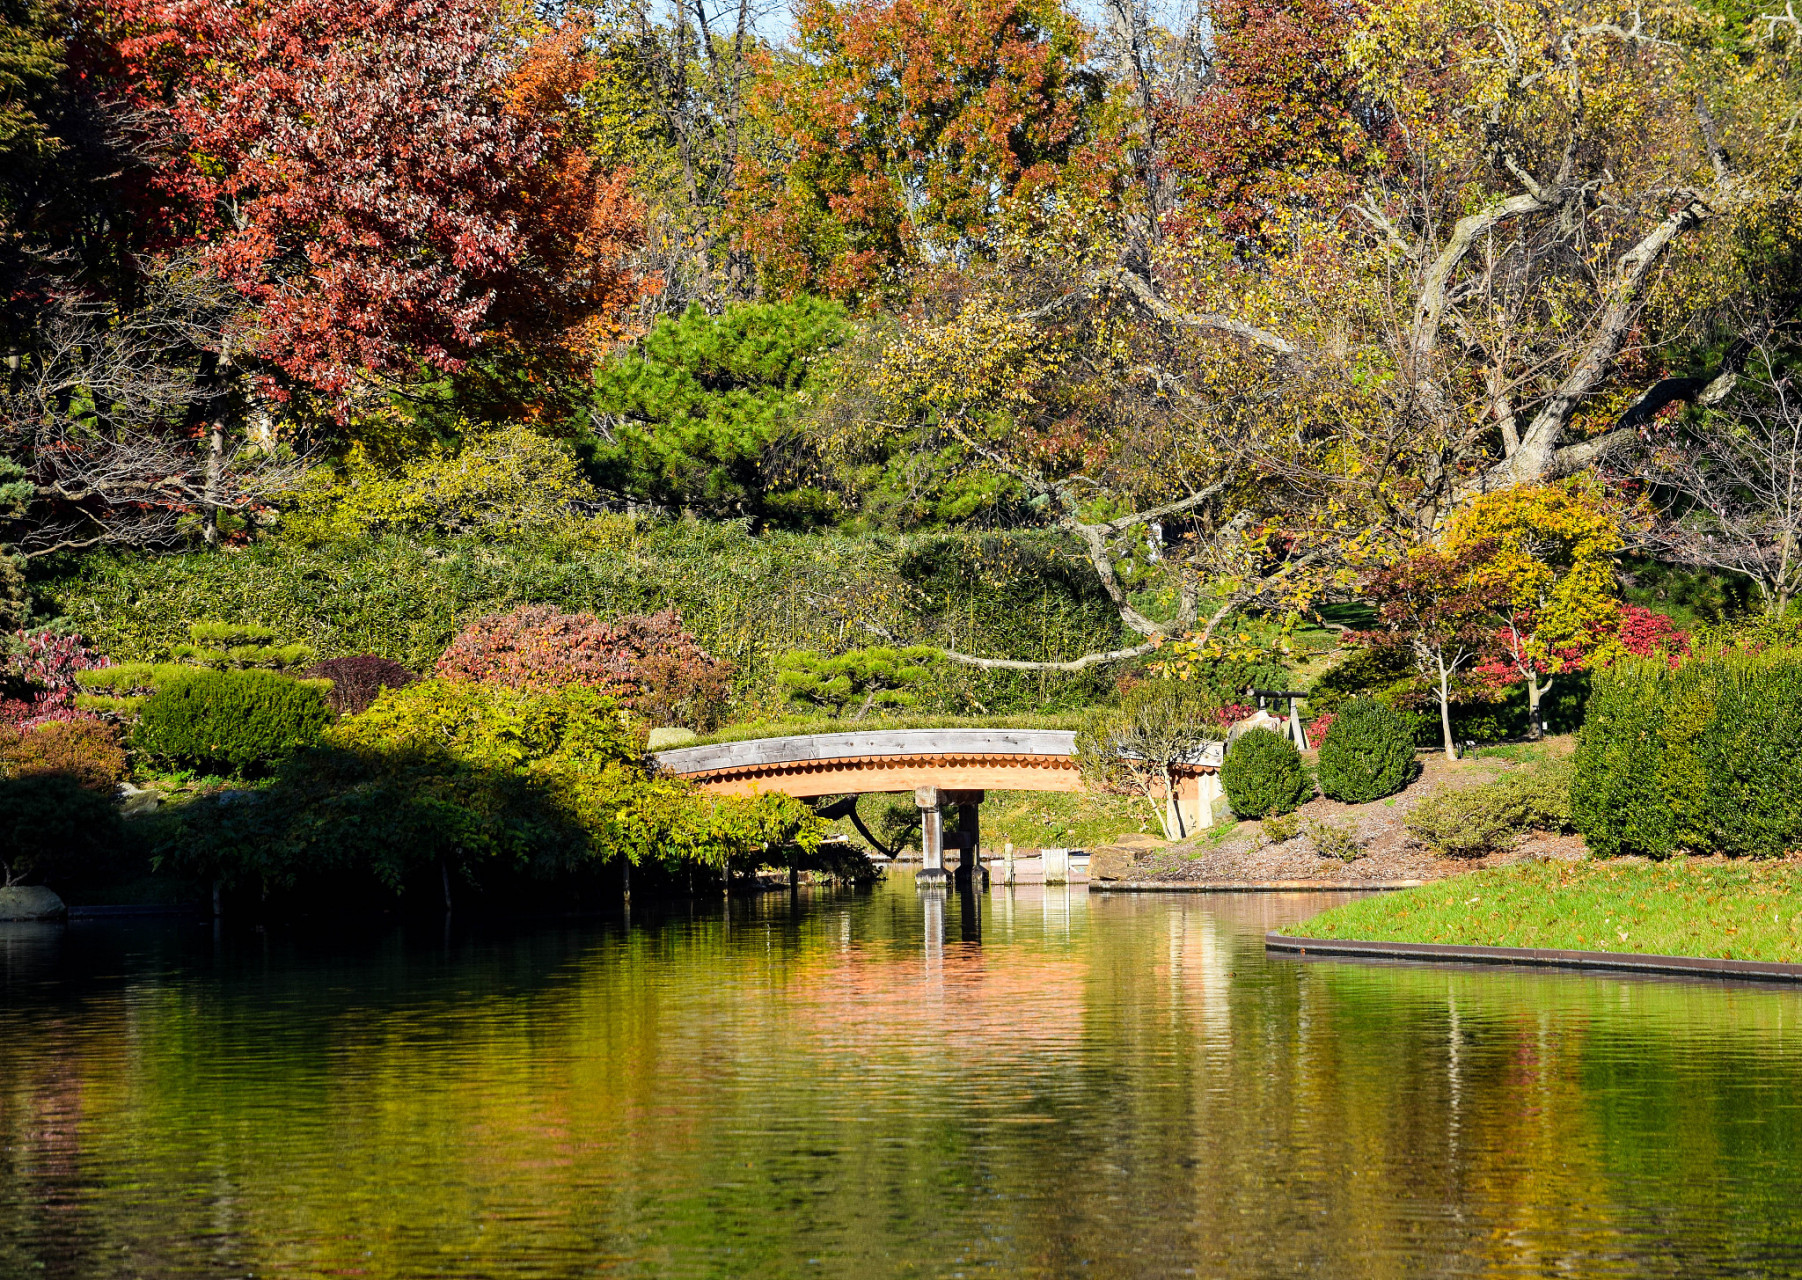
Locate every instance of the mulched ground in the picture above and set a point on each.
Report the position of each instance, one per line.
(1389, 853)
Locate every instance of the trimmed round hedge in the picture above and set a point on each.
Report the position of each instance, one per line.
(1368, 753)
(1262, 774)
(235, 721)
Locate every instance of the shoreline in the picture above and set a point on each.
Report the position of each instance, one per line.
(1250, 886)
(1539, 957)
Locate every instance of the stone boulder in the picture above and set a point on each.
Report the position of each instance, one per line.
(134, 800)
(31, 902)
(1114, 861)
(1257, 720)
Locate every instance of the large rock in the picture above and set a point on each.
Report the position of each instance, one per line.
(133, 800)
(1114, 861)
(31, 902)
(1256, 720)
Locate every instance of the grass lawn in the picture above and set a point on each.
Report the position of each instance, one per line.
(1684, 907)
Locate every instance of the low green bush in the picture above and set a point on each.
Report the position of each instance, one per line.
(1368, 753)
(489, 786)
(1364, 673)
(1262, 774)
(1334, 840)
(1704, 757)
(231, 721)
(1471, 822)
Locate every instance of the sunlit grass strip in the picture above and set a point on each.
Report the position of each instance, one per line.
(1733, 911)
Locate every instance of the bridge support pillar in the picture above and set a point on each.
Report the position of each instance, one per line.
(970, 871)
(932, 838)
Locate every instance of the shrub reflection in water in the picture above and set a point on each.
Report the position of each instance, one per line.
(1051, 1084)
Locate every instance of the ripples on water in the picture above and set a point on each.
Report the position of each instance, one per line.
(1052, 1085)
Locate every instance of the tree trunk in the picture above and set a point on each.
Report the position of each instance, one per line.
(1172, 810)
(215, 482)
(1445, 711)
(1536, 693)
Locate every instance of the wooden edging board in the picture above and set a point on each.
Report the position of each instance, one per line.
(1544, 957)
(1246, 886)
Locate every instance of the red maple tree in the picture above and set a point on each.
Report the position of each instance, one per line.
(384, 183)
(1282, 120)
(1440, 608)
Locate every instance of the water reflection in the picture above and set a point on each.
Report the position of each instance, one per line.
(859, 1084)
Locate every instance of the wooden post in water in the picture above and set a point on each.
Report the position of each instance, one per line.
(969, 810)
(932, 838)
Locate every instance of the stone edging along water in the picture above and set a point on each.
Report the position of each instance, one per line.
(1246, 886)
(1543, 957)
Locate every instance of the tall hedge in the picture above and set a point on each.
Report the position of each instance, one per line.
(1705, 757)
(747, 598)
(233, 721)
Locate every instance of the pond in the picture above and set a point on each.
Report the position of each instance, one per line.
(1039, 1083)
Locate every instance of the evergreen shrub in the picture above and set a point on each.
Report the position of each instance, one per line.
(492, 787)
(1703, 757)
(1262, 774)
(232, 721)
(1368, 753)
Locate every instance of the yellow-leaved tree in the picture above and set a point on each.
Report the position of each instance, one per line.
(1551, 549)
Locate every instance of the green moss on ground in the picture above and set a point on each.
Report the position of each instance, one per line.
(1688, 907)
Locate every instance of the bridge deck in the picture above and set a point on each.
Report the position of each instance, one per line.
(825, 764)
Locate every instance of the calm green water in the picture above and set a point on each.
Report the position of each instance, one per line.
(1106, 1086)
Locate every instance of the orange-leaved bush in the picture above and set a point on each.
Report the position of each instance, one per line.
(649, 661)
(82, 748)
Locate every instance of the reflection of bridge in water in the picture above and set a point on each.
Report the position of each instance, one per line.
(944, 768)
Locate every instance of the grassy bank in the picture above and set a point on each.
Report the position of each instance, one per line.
(1687, 907)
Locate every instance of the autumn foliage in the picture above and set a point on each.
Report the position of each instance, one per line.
(1282, 119)
(908, 125)
(649, 661)
(381, 182)
(358, 681)
(38, 681)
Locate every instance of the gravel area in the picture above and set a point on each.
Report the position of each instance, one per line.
(1388, 852)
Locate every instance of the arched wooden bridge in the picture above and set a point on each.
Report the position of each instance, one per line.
(942, 767)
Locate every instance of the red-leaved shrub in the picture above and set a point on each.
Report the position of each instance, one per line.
(39, 679)
(1644, 633)
(1317, 731)
(83, 748)
(648, 661)
(356, 682)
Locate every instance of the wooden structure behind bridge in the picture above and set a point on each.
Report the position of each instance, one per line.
(944, 768)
